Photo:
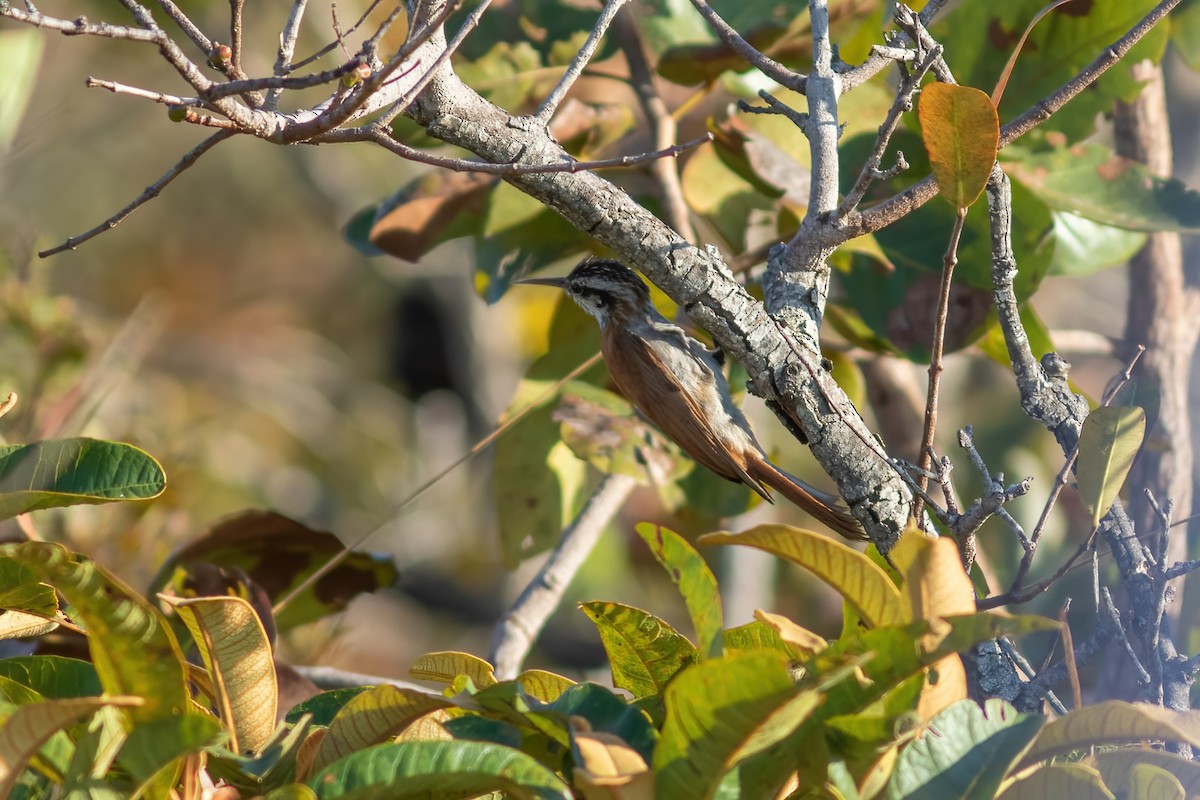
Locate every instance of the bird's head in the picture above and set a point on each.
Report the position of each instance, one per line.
(604, 288)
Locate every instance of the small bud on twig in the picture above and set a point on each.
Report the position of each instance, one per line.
(220, 56)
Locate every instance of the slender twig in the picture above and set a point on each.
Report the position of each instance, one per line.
(775, 106)
(329, 48)
(134, 91)
(383, 138)
(1114, 617)
(900, 106)
(78, 26)
(287, 48)
(1021, 663)
(764, 64)
(187, 26)
(936, 365)
(152, 191)
(507, 425)
(469, 24)
(332, 678)
(550, 104)
(218, 90)
(655, 108)
(515, 633)
(235, 33)
(880, 58)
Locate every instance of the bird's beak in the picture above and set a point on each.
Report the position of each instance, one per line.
(558, 283)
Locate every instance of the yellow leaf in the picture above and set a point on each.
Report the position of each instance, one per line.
(852, 574)
(445, 666)
(936, 586)
(962, 136)
(241, 663)
(802, 639)
(608, 768)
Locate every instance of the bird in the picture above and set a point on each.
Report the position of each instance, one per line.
(677, 384)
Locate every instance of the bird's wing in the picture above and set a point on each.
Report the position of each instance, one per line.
(650, 373)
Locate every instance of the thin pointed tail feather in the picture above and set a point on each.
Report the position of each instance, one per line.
(825, 507)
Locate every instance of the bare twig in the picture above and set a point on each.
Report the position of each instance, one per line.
(187, 26)
(469, 24)
(189, 158)
(1114, 617)
(383, 138)
(77, 27)
(935, 357)
(287, 48)
(329, 48)
(219, 90)
(766, 65)
(661, 121)
(134, 91)
(550, 104)
(235, 33)
(515, 633)
(900, 106)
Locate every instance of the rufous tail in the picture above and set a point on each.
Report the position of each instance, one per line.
(825, 507)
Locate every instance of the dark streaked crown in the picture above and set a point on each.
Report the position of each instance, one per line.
(607, 283)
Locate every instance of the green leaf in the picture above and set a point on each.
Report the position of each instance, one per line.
(849, 572)
(758, 635)
(53, 677)
(964, 752)
(446, 666)
(1108, 443)
(895, 303)
(1058, 48)
(1184, 24)
(21, 591)
(325, 706)
(24, 729)
(371, 717)
(722, 196)
(604, 712)
(510, 75)
(1082, 246)
(537, 484)
(962, 136)
(274, 766)
(721, 712)
(890, 655)
(439, 770)
(74, 471)
(695, 581)
(155, 746)
(131, 644)
(645, 653)
(1093, 182)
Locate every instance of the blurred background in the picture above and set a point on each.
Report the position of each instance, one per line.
(229, 329)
